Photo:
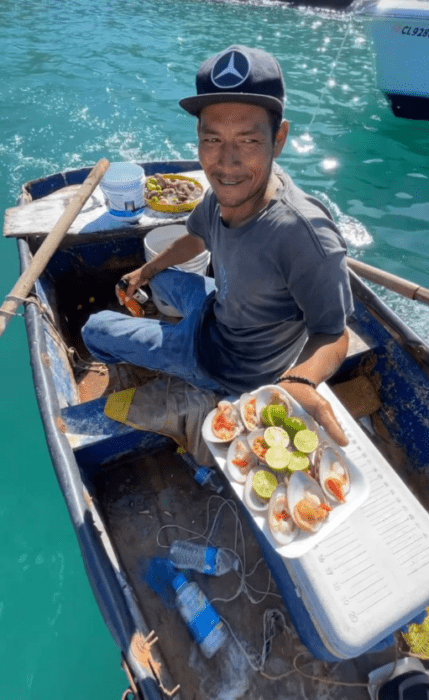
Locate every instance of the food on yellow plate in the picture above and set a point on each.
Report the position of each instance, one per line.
(177, 191)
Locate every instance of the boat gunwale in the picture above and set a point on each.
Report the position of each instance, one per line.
(104, 583)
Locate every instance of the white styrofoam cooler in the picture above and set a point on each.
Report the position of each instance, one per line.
(367, 577)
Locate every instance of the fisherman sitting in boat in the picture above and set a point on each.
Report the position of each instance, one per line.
(277, 307)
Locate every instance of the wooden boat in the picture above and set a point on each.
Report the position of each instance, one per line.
(295, 624)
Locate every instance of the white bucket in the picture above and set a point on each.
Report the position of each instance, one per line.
(160, 238)
(123, 187)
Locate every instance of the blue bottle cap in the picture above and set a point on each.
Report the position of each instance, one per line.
(179, 581)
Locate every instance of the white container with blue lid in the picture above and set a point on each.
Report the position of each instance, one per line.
(123, 187)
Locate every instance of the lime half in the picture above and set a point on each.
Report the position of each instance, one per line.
(298, 462)
(306, 440)
(264, 484)
(277, 458)
(292, 425)
(274, 435)
(273, 414)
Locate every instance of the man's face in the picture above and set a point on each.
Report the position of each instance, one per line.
(236, 151)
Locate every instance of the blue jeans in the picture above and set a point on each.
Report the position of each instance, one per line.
(113, 337)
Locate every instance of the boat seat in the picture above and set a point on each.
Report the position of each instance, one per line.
(359, 344)
(96, 439)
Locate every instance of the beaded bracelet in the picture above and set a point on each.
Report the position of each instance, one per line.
(295, 378)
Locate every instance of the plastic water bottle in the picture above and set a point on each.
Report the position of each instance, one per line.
(204, 476)
(214, 561)
(202, 620)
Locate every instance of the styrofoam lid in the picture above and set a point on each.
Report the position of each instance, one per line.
(161, 234)
(123, 172)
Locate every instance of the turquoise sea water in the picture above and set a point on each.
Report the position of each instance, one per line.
(84, 80)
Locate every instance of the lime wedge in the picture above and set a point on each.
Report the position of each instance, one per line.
(292, 425)
(277, 458)
(306, 440)
(264, 484)
(298, 462)
(273, 414)
(274, 435)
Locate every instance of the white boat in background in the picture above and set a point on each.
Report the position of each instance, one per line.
(399, 30)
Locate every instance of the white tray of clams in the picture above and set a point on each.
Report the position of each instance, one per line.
(297, 483)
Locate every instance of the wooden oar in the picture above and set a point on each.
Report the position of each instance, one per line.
(41, 258)
(392, 282)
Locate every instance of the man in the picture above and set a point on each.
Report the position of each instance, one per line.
(277, 308)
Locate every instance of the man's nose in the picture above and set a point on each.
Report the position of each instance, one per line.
(229, 154)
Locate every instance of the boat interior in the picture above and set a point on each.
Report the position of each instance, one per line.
(141, 494)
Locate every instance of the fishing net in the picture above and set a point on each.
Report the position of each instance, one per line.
(417, 638)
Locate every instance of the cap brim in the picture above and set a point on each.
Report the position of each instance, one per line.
(195, 104)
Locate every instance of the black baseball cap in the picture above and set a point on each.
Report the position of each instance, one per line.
(238, 74)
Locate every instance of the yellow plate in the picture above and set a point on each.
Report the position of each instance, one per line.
(180, 206)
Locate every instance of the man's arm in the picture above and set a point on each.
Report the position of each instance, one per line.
(181, 250)
(319, 359)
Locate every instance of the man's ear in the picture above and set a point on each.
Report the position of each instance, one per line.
(281, 138)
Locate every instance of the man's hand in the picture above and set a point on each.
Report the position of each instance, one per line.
(319, 408)
(319, 359)
(135, 279)
(181, 250)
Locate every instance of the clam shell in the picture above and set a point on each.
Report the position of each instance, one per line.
(250, 497)
(302, 487)
(233, 415)
(251, 437)
(248, 416)
(331, 464)
(240, 449)
(272, 394)
(283, 531)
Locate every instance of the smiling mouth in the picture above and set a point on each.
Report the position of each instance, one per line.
(229, 182)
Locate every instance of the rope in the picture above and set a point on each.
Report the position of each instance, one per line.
(71, 352)
(334, 65)
(273, 620)
(23, 300)
(306, 136)
(128, 695)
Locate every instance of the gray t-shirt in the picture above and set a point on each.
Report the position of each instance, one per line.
(279, 277)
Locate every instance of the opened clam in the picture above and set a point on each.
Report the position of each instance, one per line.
(269, 396)
(247, 406)
(257, 444)
(306, 502)
(224, 424)
(332, 472)
(280, 521)
(240, 459)
(259, 486)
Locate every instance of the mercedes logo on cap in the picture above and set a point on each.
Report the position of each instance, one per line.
(230, 70)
